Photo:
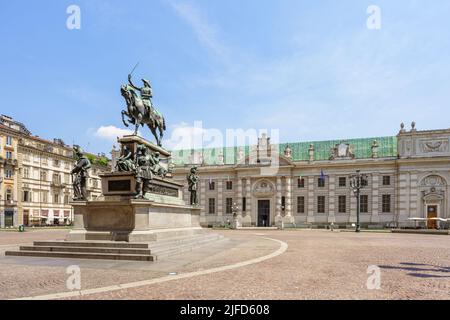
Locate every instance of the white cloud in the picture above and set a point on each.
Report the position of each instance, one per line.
(111, 133)
(204, 30)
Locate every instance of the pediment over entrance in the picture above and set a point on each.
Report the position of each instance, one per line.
(433, 196)
(433, 181)
(263, 188)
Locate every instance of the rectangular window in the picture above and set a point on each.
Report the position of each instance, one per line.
(283, 203)
(244, 204)
(386, 203)
(66, 199)
(300, 204)
(43, 175)
(45, 196)
(211, 205)
(229, 185)
(8, 173)
(364, 182)
(386, 180)
(364, 203)
(56, 178)
(26, 172)
(321, 183)
(342, 181)
(56, 198)
(229, 204)
(26, 196)
(342, 204)
(212, 185)
(301, 183)
(9, 155)
(321, 204)
(9, 195)
(9, 141)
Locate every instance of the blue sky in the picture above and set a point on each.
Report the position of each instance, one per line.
(311, 69)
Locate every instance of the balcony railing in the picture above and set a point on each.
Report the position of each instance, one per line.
(57, 184)
(10, 162)
(10, 203)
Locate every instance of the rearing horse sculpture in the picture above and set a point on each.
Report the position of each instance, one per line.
(139, 114)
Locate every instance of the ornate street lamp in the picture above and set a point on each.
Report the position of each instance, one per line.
(357, 182)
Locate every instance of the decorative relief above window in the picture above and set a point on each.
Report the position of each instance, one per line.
(432, 146)
(263, 188)
(433, 181)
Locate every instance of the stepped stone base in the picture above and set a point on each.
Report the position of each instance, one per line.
(113, 250)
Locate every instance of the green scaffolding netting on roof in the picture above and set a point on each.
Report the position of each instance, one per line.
(362, 149)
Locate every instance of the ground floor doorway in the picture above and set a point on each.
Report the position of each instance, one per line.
(263, 213)
(9, 218)
(432, 212)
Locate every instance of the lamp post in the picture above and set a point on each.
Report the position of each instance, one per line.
(357, 182)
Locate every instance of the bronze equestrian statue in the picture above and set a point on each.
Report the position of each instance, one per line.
(140, 109)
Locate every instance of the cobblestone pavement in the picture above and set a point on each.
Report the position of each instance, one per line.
(317, 265)
(26, 277)
(8, 238)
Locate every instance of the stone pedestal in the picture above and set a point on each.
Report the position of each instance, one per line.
(237, 223)
(132, 142)
(288, 222)
(118, 216)
(132, 220)
(279, 222)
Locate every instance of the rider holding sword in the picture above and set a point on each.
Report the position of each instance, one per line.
(146, 94)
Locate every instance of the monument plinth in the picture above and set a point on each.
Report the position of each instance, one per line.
(140, 204)
(132, 220)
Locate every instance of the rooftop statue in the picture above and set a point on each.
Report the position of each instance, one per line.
(140, 109)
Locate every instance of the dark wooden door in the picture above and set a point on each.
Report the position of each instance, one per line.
(263, 213)
(432, 213)
(9, 218)
(26, 218)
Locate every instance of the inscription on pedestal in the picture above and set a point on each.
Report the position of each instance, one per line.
(162, 190)
(119, 185)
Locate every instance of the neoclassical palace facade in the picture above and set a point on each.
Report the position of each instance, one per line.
(307, 184)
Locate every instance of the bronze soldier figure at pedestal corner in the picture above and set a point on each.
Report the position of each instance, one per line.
(81, 173)
(193, 180)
